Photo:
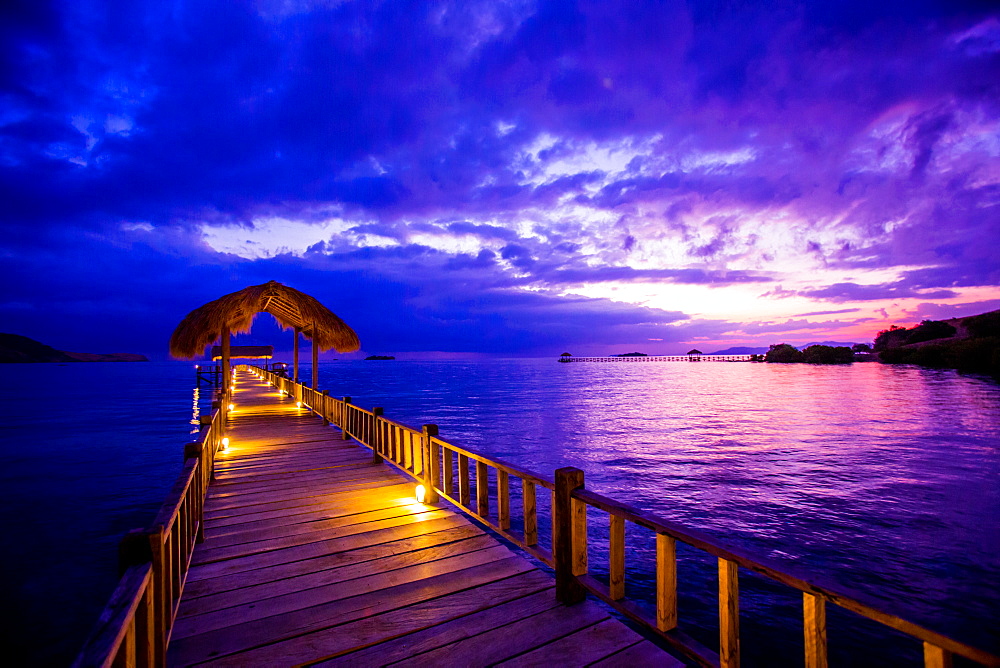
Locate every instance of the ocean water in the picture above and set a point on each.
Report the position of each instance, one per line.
(880, 480)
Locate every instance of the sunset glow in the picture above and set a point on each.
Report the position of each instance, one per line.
(504, 178)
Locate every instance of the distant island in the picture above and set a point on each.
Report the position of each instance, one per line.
(631, 355)
(20, 349)
(380, 357)
(969, 344)
(783, 353)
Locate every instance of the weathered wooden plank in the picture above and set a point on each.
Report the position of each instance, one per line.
(396, 634)
(308, 514)
(403, 548)
(297, 600)
(581, 648)
(291, 529)
(207, 554)
(240, 593)
(233, 639)
(322, 548)
(375, 479)
(306, 494)
(506, 641)
(640, 654)
(399, 492)
(292, 482)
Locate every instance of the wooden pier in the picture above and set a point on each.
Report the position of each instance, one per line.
(314, 554)
(290, 542)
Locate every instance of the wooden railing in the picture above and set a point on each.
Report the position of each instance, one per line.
(134, 628)
(446, 470)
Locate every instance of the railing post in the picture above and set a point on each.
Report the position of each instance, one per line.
(196, 449)
(326, 408)
(134, 550)
(564, 542)
(343, 419)
(430, 464)
(729, 614)
(161, 602)
(375, 433)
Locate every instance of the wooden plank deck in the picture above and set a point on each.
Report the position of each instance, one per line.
(316, 556)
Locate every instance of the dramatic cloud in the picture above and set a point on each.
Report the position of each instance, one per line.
(501, 177)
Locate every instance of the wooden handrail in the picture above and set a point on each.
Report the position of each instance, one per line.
(134, 627)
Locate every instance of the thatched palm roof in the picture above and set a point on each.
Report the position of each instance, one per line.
(289, 307)
(695, 351)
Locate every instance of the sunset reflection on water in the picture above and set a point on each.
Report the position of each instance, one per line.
(878, 479)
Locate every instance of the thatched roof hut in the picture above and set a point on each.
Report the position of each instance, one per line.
(695, 351)
(235, 313)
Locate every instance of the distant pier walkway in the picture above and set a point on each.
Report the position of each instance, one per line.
(665, 358)
(313, 554)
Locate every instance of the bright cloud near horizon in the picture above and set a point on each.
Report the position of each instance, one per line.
(513, 178)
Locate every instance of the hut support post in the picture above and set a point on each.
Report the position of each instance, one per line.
(315, 364)
(226, 371)
(295, 355)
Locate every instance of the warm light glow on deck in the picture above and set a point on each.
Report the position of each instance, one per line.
(225, 443)
(232, 406)
(421, 493)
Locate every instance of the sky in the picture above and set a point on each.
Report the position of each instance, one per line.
(500, 178)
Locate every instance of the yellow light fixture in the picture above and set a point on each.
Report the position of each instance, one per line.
(421, 493)
(225, 443)
(232, 406)
(298, 404)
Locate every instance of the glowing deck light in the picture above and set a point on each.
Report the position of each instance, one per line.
(232, 406)
(298, 404)
(421, 493)
(225, 443)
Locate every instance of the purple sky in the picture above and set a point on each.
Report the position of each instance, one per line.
(515, 178)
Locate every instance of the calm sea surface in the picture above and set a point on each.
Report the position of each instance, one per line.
(882, 481)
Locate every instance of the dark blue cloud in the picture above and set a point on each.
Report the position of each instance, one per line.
(464, 135)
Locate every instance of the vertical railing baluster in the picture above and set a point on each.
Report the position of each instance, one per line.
(449, 472)
(936, 657)
(464, 488)
(666, 582)
(145, 627)
(376, 442)
(729, 614)
(530, 513)
(503, 500)
(814, 623)
(344, 421)
(482, 489)
(616, 558)
(161, 592)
